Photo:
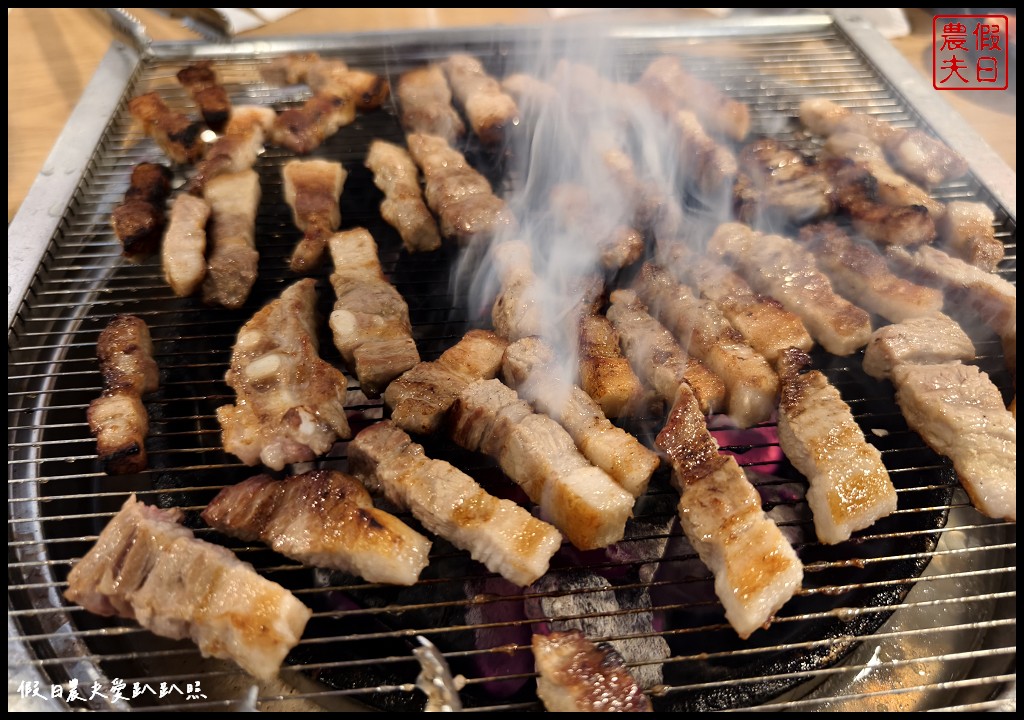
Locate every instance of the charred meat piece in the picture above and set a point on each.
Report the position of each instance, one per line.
(421, 396)
(536, 453)
(490, 110)
(312, 189)
(303, 129)
(333, 77)
(850, 488)
(138, 221)
(498, 533)
(118, 419)
(321, 518)
(232, 258)
(668, 86)
(370, 320)
(529, 367)
(605, 373)
(403, 207)
(202, 83)
(959, 412)
(751, 385)
(425, 104)
(776, 183)
(237, 149)
(147, 567)
(779, 267)
(967, 231)
(657, 357)
(575, 675)
(183, 253)
(290, 404)
(179, 137)
(860, 273)
(928, 340)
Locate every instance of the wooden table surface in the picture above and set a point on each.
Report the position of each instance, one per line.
(52, 54)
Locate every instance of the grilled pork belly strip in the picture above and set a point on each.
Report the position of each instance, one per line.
(421, 396)
(670, 87)
(498, 533)
(291, 404)
(710, 166)
(232, 258)
(147, 567)
(118, 419)
(959, 412)
(321, 518)
(490, 110)
(202, 83)
(529, 367)
(312, 189)
(303, 129)
(778, 183)
(921, 157)
(967, 231)
(516, 312)
(859, 272)
(536, 453)
(425, 104)
(237, 149)
(575, 675)
(605, 374)
(370, 320)
(589, 221)
(138, 221)
(751, 385)
(461, 197)
(403, 207)
(777, 266)
(928, 340)
(764, 323)
(179, 137)
(850, 488)
(657, 357)
(183, 253)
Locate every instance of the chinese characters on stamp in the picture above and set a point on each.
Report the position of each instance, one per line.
(970, 52)
(117, 690)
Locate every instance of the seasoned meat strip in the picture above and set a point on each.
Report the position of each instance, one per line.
(147, 567)
(967, 231)
(232, 258)
(928, 340)
(183, 253)
(321, 518)
(425, 104)
(850, 488)
(179, 138)
(575, 675)
(491, 111)
(118, 419)
(370, 320)
(536, 453)
(498, 533)
(201, 82)
(403, 207)
(312, 189)
(290, 404)
(138, 221)
(959, 412)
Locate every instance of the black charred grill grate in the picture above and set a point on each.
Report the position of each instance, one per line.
(915, 613)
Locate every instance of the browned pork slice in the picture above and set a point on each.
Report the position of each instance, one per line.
(403, 207)
(751, 385)
(147, 567)
(425, 104)
(959, 412)
(669, 86)
(117, 418)
(850, 488)
(304, 128)
(201, 81)
(967, 230)
(529, 367)
(862, 274)
(290, 404)
(517, 311)
(232, 258)
(703, 162)
(321, 518)
(575, 675)
(657, 357)
(421, 396)
(370, 319)
(756, 569)
(777, 183)
(334, 77)
(312, 189)
(503, 536)
(183, 253)
(605, 374)
(178, 136)
(928, 340)
(490, 110)
(778, 266)
(535, 452)
(138, 221)
(237, 149)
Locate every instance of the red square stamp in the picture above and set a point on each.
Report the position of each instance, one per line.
(970, 52)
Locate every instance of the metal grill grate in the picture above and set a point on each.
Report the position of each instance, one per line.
(915, 613)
